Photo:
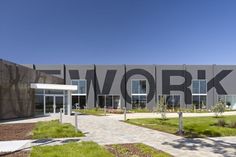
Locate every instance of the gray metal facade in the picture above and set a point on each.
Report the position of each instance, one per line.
(161, 80)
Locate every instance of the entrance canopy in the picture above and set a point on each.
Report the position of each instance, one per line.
(53, 86)
(67, 88)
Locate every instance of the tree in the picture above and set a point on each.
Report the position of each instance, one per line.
(219, 108)
(162, 107)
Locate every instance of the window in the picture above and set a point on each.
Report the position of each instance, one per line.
(172, 102)
(82, 87)
(199, 93)
(111, 101)
(139, 93)
(229, 100)
(138, 87)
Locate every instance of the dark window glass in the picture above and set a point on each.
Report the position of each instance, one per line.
(202, 101)
(39, 91)
(101, 101)
(82, 87)
(142, 101)
(108, 101)
(135, 86)
(195, 85)
(39, 104)
(135, 102)
(116, 102)
(203, 89)
(176, 102)
(142, 86)
(54, 92)
(196, 101)
(169, 102)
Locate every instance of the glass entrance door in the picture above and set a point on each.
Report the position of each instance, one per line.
(59, 103)
(49, 104)
(53, 104)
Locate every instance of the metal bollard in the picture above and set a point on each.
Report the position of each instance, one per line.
(61, 110)
(181, 131)
(105, 110)
(76, 122)
(124, 113)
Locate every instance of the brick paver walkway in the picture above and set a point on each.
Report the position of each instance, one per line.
(109, 130)
(106, 130)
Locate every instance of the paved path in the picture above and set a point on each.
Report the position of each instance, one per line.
(106, 130)
(109, 130)
(169, 115)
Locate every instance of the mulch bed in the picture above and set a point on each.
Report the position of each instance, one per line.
(16, 154)
(16, 131)
(129, 151)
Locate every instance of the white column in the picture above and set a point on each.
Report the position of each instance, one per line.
(69, 105)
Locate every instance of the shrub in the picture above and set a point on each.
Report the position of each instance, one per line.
(232, 125)
(219, 108)
(221, 122)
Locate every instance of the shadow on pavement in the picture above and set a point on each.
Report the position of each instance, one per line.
(217, 146)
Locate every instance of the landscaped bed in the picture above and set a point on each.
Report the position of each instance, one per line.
(54, 129)
(16, 154)
(40, 130)
(136, 149)
(91, 149)
(99, 111)
(82, 149)
(20, 131)
(193, 126)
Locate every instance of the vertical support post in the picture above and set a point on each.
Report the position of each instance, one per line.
(64, 109)
(61, 109)
(69, 106)
(124, 113)
(105, 110)
(76, 121)
(180, 123)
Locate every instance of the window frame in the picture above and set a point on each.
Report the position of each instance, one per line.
(105, 99)
(78, 86)
(136, 94)
(199, 94)
(165, 100)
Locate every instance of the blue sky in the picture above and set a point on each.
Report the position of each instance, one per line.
(118, 31)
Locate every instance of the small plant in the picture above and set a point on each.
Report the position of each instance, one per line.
(221, 122)
(219, 108)
(232, 124)
(162, 108)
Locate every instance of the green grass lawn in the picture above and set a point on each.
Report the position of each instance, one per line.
(193, 126)
(82, 149)
(95, 111)
(54, 129)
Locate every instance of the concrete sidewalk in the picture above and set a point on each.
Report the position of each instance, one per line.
(15, 145)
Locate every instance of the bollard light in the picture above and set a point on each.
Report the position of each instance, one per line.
(181, 131)
(61, 110)
(76, 122)
(124, 113)
(105, 110)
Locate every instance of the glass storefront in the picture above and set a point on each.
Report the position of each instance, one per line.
(139, 94)
(172, 102)
(111, 101)
(229, 100)
(49, 101)
(199, 94)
